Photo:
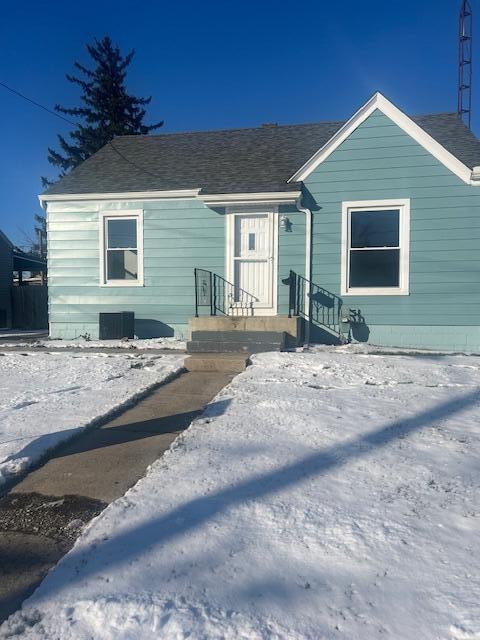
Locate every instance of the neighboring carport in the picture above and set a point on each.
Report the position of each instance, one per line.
(26, 262)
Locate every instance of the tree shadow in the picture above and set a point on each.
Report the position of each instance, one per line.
(191, 515)
(69, 442)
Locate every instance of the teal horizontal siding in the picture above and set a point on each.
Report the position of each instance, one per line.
(419, 225)
(372, 188)
(364, 180)
(379, 161)
(182, 299)
(178, 236)
(403, 162)
(167, 315)
(291, 253)
(363, 169)
(199, 243)
(177, 226)
(380, 153)
(450, 225)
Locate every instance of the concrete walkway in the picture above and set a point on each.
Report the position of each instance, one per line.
(43, 514)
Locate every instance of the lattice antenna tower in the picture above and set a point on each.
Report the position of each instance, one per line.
(464, 108)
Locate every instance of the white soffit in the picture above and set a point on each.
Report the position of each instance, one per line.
(125, 195)
(273, 197)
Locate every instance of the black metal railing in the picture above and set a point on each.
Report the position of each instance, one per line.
(220, 296)
(314, 303)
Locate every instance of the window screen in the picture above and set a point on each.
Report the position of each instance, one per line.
(121, 249)
(374, 249)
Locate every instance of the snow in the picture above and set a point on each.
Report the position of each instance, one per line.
(47, 398)
(329, 495)
(81, 343)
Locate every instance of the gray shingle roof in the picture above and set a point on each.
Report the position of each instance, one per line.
(231, 161)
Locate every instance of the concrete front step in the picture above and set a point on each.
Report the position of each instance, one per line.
(293, 327)
(236, 341)
(273, 337)
(203, 346)
(221, 362)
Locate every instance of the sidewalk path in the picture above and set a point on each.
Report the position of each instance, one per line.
(43, 514)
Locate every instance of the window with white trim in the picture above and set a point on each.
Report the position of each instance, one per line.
(375, 247)
(122, 249)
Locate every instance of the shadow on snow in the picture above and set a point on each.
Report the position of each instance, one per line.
(194, 513)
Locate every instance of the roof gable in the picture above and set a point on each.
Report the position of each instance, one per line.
(407, 124)
(241, 161)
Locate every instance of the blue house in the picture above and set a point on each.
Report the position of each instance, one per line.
(368, 228)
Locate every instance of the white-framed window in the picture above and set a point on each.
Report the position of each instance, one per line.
(375, 247)
(121, 248)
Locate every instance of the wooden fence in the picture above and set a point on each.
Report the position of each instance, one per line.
(30, 307)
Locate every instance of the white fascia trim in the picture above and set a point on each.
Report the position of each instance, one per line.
(126, 195)
(227, 199)
(378, 101)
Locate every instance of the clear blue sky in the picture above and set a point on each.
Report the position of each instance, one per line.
(212, 65)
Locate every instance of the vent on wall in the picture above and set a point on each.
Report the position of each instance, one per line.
(115, 326)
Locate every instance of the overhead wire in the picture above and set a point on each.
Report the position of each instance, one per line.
(57, 115)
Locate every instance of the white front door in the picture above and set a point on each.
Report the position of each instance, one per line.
(253, 260)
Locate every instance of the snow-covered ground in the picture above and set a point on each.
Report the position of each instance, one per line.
(323, 495)
(45, 398)
(81, 343)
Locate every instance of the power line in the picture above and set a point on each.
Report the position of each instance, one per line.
(37, 104)
(54, 113)
(134, 164)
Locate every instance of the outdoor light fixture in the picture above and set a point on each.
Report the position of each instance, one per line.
(285, 223)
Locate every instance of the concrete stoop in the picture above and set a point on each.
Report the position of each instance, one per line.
(236, 341)
(249, 334)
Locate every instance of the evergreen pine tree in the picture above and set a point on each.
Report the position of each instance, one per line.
(108, 110)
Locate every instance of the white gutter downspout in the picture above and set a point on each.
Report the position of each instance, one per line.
(308, 266)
